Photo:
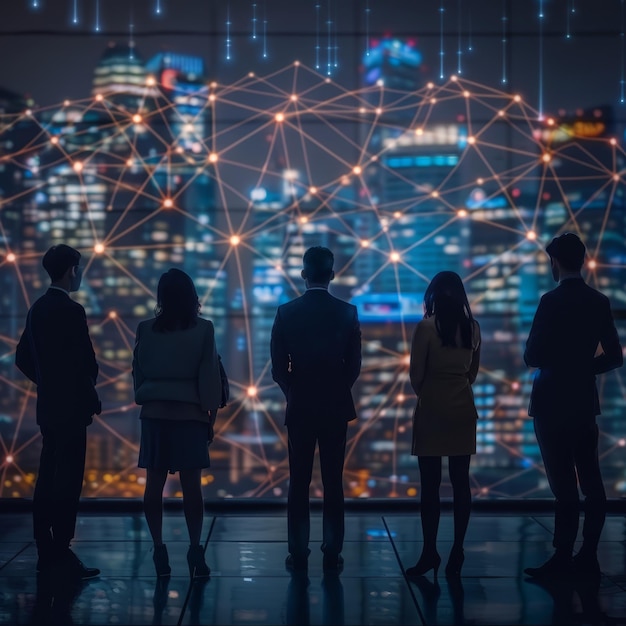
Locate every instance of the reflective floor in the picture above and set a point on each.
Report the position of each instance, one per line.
(249, 583)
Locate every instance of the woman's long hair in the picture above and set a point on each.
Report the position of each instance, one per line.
(445, 298)
(177, 305)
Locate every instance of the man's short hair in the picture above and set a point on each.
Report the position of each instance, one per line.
(318, 264)
(59, 259)
(569, 250)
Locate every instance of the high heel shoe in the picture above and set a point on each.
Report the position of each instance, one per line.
(425, 564)
(197, 565)
(455, 562)
(161, 560)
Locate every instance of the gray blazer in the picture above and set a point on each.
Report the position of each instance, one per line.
(180, 366)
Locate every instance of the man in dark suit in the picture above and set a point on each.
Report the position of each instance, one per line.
(55, 352)
(572, 339)
(316, 358)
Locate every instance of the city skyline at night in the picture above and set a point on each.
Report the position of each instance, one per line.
(162, 164)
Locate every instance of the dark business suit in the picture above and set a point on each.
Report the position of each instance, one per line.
(570, 322)
(316, 358)
(55, 352)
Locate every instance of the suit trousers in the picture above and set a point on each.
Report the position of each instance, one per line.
(58, 487)
(569, 449)
(331, 439)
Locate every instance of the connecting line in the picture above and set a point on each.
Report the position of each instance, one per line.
(393, 545)
(191, 583)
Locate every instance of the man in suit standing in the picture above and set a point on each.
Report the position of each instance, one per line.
(316, 358)
(55, 352)
(572, 339)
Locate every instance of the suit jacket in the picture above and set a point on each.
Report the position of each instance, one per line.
(56, 353)
(316, 357)
(179, 366)
(570, 322)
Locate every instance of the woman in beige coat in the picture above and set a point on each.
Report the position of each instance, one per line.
(445, 355)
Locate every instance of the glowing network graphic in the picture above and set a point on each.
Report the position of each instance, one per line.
(232, 182)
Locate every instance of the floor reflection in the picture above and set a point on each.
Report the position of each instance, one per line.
(299, 601)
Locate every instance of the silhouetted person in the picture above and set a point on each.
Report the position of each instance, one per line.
(570, 324)
(445, 354)
(177, 382)
(56, 353)
(316, 358)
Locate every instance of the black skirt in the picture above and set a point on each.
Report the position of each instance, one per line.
(174, 445)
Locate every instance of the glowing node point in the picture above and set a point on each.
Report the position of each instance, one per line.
(303, 219)
(380, 82)
(252, 391)
(501, 113)
(250, 74)
(9, 458)
(433, 100)
(357, 169)
(462, 213)
(394, 257)
(294, 97)
(235, 240)
(150, 81)
(531, 235)
(401, 397)
(515, 386)
(78, 166)
(168, 203)
(613, 141)
(98, 248)
(99, 97)
(550, 121)
(484, 490)
(213, 157)
(137, 119)
(454, 78)
(54, 140)
(327, 80)
(471, 140)
(179, 150)
(592, 264)
(621, 443)
(407, 359)
(212, 97)
(280, 117)
(378, 110)
(616, 177)
(130, 163)
(66, 103)
(435, 194)
(466, 94)
(362, 110)
(296, 63)
(312, 190)
(480, 181)
(419, 131)
(430, 85)
(365, 243)
(517, 98)
(11, 257)
(546, 158)
(397, 214)
(112, 315)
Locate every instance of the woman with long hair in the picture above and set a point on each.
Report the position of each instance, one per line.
(177, 382)
(445, 355)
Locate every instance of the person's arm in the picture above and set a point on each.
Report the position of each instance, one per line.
(537, 342)
(24, 356)
(612, 356)
(138, 376)
(279, 355)
(209, 379)
(419, 357)
(352, 359)
(474, 365)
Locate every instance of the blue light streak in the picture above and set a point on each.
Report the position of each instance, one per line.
(317, 35)
(459, 52)
(367, 27)
(441, 50)
(228, 32)
(97, 25)
(75, 18)
(505, 20)
(254, 20)
(541, 16)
